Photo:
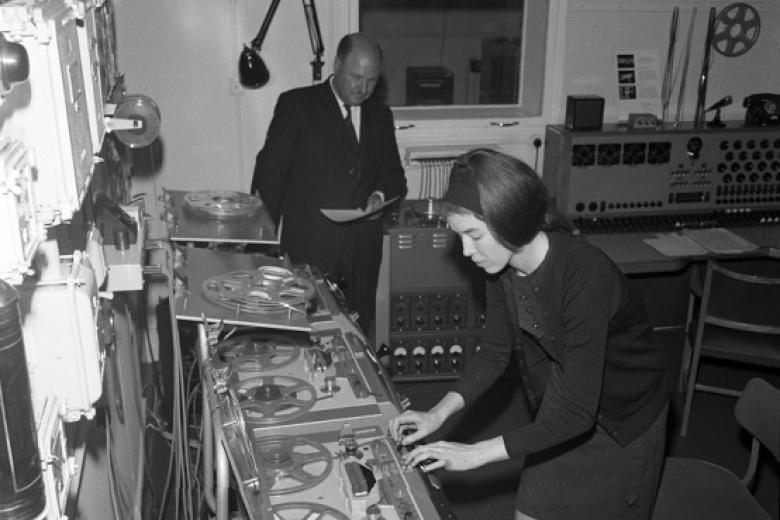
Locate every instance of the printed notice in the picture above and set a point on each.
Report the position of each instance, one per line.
(638, 83)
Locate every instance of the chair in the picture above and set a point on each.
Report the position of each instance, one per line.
(737, 319)
(693, 489)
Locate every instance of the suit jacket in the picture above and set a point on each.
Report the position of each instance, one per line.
(307, 164)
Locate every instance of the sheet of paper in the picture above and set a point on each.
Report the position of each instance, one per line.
(674, 244)
(348, 215)
(720, 240)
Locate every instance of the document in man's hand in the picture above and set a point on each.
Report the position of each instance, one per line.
(348, 215)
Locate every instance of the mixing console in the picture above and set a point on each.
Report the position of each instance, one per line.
(672, 178)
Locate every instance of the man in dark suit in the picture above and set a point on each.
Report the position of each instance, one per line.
(332, 145)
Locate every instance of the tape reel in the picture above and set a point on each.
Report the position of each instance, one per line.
(736, 29)
(143, 109)
(259, 352)
(262, 290)
(293, 463)
(274, 399)
(305, 510)
(222, 205)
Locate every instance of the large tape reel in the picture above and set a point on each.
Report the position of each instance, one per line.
(307, 510)
(274, 399)
(262, 290)
(143, 110)
(293, 463)
(259, 352)
(736, 29)
(222, 205)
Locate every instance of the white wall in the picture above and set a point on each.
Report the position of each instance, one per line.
(597, 28)
(184, 54)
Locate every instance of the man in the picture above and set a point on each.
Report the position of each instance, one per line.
(332, 145)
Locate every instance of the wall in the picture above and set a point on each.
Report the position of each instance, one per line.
(596, 29)
(184, 53)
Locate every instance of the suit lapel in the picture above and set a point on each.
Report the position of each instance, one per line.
(333, 112)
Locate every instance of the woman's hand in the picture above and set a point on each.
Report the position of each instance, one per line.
(453, 456)
(411, 426)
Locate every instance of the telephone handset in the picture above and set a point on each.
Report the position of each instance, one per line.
(762, 110)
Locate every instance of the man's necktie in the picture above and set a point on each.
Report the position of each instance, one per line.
(351, 128)
(353, 141)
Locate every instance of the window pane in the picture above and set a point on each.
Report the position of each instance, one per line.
(447, 52)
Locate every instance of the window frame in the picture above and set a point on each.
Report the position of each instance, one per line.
(533, 65)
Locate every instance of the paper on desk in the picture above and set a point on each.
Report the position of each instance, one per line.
(348, 215)
(674, 244)
(720, 240)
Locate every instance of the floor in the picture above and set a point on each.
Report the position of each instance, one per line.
(713, 435)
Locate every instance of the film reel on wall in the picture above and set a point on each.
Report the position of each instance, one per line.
(222, 205)
(736, 29)
(262, 290)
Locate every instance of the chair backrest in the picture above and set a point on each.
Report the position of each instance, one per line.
(740, 301)
(758, 411)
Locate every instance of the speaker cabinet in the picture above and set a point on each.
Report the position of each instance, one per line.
(584, 112)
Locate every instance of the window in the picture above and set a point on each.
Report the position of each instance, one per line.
(460, 58)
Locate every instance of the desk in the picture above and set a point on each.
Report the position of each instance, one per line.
(634, 256)
(662, 281)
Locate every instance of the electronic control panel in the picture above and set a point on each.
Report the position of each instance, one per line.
(436, 309)
(710, 175)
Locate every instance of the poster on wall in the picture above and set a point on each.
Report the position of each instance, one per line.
(638, 83)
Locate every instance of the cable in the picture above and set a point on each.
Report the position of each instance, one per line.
(179, 477)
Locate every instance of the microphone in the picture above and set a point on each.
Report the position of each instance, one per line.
(724, 102)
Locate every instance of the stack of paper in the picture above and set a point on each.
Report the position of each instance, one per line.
(721, 240)
(697, 242)
(675, 244)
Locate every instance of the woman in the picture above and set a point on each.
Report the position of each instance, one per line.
(593, 372)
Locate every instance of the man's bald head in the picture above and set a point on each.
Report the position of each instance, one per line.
(357, 68)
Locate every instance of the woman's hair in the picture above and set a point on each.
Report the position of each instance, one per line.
(503, 191)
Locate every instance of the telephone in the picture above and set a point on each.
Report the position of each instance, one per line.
(762, 110)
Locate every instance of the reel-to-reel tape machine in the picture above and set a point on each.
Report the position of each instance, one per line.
(218, 216)
(289, 382)
(342, 475)
(221, 205)
(297, 402)
(303, 418)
